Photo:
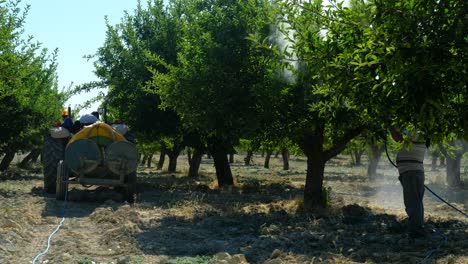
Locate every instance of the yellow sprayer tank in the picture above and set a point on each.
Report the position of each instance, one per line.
(99, 155)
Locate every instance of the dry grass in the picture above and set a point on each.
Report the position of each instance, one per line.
(261, 220)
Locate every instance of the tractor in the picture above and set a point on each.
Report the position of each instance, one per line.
(98, 154)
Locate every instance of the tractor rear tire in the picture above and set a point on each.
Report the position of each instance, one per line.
(52, 153)
(62, 180)
(129, 192)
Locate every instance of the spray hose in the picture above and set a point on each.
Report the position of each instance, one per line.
(49, 239)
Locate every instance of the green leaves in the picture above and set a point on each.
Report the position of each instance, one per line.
(219, 64)
(136, 54)
(29, 97)
(212, 87)
(419, 43)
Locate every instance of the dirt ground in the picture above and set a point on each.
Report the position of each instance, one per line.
(177, 220)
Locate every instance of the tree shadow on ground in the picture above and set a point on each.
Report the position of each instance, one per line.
(168, 191)
(234, 223)
(19, 175)
(354, 234)
(164, 192)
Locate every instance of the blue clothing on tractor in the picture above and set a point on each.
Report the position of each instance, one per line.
(67, 123)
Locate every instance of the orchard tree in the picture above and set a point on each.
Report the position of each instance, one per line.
(29, 96)
(248, 147)
(374, 62)
(123, 65)
(453, 152)
(375, 149)
(322, 103)
(213, 86)
(356, 149)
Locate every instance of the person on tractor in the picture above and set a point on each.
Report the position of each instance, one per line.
(88, 119)
(96, 114)
(122, 128)
(75, 127)
(67, 121)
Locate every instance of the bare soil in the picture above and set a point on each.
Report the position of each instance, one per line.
(176, 219)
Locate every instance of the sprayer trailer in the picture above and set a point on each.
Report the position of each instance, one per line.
(96, 155)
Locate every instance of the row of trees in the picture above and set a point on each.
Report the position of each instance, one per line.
(208, 73)
(448, 154)
(29, 96)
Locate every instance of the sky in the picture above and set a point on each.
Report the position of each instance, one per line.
(76, 28)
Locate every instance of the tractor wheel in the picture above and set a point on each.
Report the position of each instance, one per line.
(129, 192)
(62, 183)
(52, 153)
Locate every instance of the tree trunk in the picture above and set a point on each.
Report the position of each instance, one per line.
(30, 157)
(442, 161)
(276, 154)
(36, 155)
(173, 155)
(208, 155)
(453, 170)
(143, 160)
(313, 190)
(454, 162)
(150, 160)
(357, 157)
(223, 169)
(7, 159)
(172, 167)
(189, 155)
(285, 156)
(195, 162)
(434, 161)
(312, 146)
(162, 157)
(231, 158)
(267, 159)
(248, 158)
(375, 155)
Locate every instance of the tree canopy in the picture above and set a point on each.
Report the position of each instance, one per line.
(30, 99)
(207, 73)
